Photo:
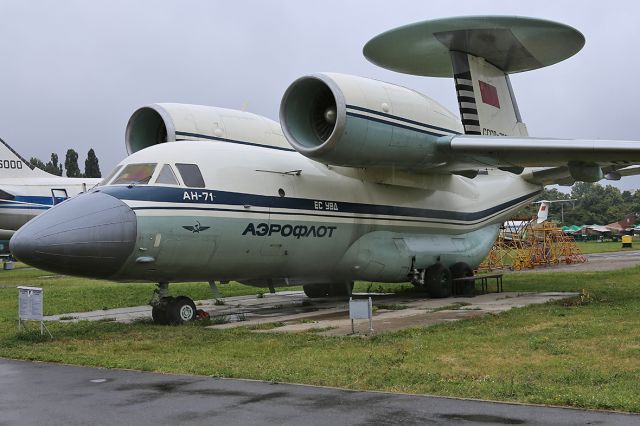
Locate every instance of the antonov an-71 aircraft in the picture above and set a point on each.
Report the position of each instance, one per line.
(26, 191)
(377, 182)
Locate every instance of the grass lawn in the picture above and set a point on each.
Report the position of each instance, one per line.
(583, 354)
(588, 247)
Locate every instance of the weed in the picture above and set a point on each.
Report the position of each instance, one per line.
(584, 298)
(219, 302)
(266, 326)
(392, 307)
(219, 319)
(452, 307)
(68, 317)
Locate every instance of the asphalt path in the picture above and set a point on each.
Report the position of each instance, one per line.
(52, 394)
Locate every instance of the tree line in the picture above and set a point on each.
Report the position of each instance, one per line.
(91, 165)
(593, 204)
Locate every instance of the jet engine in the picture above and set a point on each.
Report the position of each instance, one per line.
(159, 123)
(346, 120)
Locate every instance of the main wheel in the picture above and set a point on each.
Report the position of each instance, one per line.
(340, 290)
(181, 310)
(461, 270)
(159, 311)
(438, 281)
(316, 290)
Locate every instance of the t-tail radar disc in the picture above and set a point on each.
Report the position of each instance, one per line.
(510, 43)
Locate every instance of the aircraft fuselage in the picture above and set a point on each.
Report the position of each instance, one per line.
(269, 216)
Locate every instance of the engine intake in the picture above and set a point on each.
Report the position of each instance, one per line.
(352, 121)
(149, 125)
(159, 123)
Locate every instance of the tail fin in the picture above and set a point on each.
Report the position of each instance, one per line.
(480, 52)
(12, 165)
(543, 211)
(485, 97)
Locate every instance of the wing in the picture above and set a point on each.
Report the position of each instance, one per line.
(552, 160)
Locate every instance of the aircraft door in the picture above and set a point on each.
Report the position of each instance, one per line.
(58, 195)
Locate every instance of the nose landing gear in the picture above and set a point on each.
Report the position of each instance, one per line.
(168, 310)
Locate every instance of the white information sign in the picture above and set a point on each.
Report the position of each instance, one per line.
(361, 309)
(30, 303)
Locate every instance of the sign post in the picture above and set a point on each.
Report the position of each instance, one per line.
(361, 309)
(30, 307)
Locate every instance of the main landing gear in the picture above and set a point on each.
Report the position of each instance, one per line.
(437, 279)
(328, 290)
(171, 310)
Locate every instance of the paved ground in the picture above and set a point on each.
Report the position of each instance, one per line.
(49, 394)
(292, 311)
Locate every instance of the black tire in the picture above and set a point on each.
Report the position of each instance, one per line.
(314, 291)
(438, 281)
(340, 290)
(181, 310)
(460, 270)
(159, 311)
(327, 290)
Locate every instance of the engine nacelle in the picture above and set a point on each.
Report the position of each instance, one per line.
(352, 121)
(159, 123)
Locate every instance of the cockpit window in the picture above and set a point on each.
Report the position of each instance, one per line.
(110, 176)
(167, 176)
(135, 173)
(191, 175)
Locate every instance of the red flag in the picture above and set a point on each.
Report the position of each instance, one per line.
(489, 94)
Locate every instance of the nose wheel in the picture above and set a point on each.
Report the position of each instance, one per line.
(168, 310)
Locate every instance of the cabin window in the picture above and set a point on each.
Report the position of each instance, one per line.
(110, 176)
(167, 176)
(191, 175)
(135, 174)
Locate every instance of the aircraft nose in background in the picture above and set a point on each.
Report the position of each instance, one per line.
(90, 235)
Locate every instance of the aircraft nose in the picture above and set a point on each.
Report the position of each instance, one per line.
(90, 235)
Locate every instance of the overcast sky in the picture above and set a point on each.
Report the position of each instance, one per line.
(72, 72)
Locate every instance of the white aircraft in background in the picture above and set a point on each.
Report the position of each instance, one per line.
(370, 181)
(26, 191)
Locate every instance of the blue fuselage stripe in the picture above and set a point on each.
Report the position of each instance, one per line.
(215, 138)
(303, 205)
(398, 118)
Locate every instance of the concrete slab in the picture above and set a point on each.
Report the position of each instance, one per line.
(292, 311)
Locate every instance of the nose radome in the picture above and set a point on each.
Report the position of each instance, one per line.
(90, 235)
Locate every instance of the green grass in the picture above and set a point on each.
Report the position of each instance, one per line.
(588, 247)
(585, 353)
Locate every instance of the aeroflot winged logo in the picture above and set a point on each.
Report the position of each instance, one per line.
(197, 228)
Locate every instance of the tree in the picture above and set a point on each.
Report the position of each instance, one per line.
(91, 166)
(38, 163)
(52, 166)
(71, 164)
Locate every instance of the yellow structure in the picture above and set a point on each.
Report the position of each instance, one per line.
(526, 244)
